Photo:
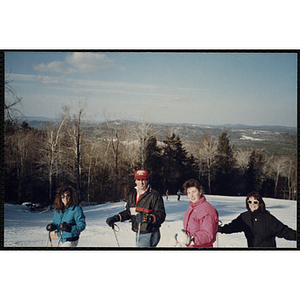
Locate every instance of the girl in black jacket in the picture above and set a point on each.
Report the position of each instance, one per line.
(258, 225)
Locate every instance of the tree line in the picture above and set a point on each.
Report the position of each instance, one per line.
(101, 164)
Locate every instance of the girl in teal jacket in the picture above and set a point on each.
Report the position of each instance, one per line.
(68, 219)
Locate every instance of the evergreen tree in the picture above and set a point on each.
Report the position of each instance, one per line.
(154, 164)
(224, 170)
(178, 166)
(192, 168)
(170, 170)
(254, 173)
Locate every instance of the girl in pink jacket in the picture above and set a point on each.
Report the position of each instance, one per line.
(200, 221)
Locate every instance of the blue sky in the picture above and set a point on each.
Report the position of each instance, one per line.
(166, 87)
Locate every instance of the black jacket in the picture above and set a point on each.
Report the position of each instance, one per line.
(150, 203)
(260, 228)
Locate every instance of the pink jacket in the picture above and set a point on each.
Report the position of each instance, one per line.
(201, 221)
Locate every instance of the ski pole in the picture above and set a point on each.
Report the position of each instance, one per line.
(59, 240)
(138, 235)
(118, 229)
(59, 237)
(49, 239)
(176, 240)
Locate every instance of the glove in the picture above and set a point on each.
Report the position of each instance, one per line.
(65, 227)
(111, 220)
(183, 238)
(144, 218)
(51, 227)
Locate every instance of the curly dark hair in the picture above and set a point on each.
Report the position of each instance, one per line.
(65, 189)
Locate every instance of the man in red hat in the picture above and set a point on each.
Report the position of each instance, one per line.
(145, 208)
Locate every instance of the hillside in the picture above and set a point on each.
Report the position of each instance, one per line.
(23, 228)
(277, 140)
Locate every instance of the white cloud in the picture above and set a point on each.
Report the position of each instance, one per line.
(54, 67)
(51, 79)
(20, 77)
(89, 62)
(82, 62)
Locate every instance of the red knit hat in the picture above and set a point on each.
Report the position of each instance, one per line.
(141, 174)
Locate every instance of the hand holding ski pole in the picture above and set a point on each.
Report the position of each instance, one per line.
(111, 223)
(51, 227)
(111, 220)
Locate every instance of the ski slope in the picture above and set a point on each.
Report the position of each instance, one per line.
(23, 228)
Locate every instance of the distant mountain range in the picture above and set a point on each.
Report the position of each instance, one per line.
(279, 140)
(40, 121)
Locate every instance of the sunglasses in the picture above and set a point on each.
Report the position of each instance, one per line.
(254, 202)
(65, 196)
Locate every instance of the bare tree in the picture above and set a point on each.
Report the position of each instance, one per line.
(291, 176)
(204, 150)
(207, 152)
(12, 101)
(120, 154)
(75, 133)
(20, 156)
(242, 158)
(276, 167)
(114, 138)
(53, 133)
(92, 155)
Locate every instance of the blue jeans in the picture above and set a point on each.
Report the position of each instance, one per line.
(148, 239)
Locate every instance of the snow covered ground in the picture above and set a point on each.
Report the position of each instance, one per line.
(23, 228)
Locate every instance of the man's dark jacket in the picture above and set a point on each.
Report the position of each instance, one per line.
(150, 203)
(260, 228)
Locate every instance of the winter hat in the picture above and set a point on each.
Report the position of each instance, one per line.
(141, 174)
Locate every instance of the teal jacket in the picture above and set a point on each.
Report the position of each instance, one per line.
(75, 217)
